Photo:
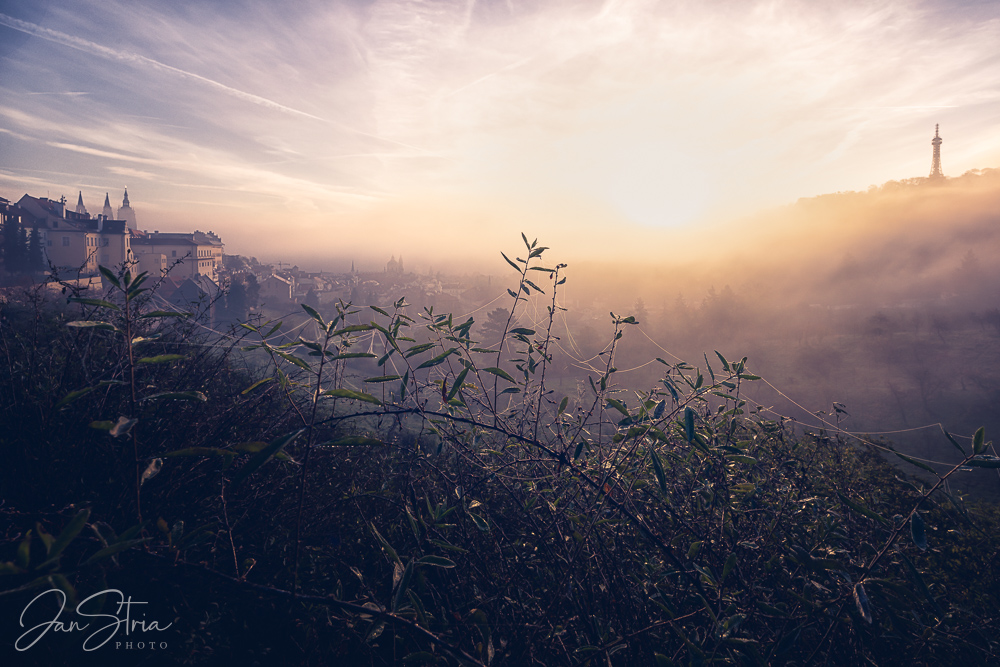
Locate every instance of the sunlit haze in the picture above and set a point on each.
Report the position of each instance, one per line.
(439, 130)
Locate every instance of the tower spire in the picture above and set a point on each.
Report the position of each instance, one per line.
(80, 208)
(936, 162)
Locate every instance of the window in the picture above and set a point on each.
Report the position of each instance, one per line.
(65, 240)
(173, 253)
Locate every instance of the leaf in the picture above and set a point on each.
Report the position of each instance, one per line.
(689, 424)
(164, 313)
(515, 266)
(72, 396)
(983, 461)
(112, 278)
(728, 567)
(178, 396)
(861, 601)
(353, 441)
(383, 378)
(261, 457)
(354, 395)
(618, 405)
(861, 509)
(301, 363)
(161, 359)
(522, 331)
(115, 548)
(458, 383)
(499, 372)
(354, 328)
(436, 561)
(438, 359)
(353, 355)
(915, 462)
(417, 349)
(255, 385)
(96, 302)
(562, 405)
(313, 314)
(69, 533)
(918, 531)
(954, 442)
(725, 364)
(480, 522)
(661, 478)
(200, 451)
(389, 551)
(91, 324)
(102, 425)
(979, 440)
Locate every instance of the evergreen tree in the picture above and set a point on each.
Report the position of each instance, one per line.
(11, 256)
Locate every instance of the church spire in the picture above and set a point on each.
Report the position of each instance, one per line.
(80, 208)
(108, 212)
(125, 201)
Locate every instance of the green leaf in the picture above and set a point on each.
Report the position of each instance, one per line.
(313, 314)
(72, 396)
(69, 533)
(979, 440)
(354, 395)
(728, 567)
(200, 451)
(515, 266)
(255, 385)
(499, 372)
(436, 561)
(725, 364)
(955, 442)
(354, 328)
(984, 461)
(301, 363)
(102, 425)
(352, 355)
(383, 378)
(164, 313)
(918, 531)
(96, 302)
(261, 457)
(438, 359)
(618, 405)
(458, 383)
(480, 522)
(915, 462)
(661, 478)
(861, 509)
(417, 349)
(353, 441)
(161, 359)
(522, 331)
(178, 396)
(115, 548)
(112, 278)
(91, 324)
(689, 424)
(386, 547)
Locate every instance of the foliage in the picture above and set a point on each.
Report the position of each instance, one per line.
(382, 486)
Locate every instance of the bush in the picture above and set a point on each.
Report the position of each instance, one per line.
(385, 490)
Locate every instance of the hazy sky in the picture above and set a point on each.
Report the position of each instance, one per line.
(465, 121)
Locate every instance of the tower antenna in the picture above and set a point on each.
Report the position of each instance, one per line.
(936, 163)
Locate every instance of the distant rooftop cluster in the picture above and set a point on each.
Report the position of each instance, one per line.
(71, 242)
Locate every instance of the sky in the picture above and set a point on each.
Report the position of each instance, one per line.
(439, 130)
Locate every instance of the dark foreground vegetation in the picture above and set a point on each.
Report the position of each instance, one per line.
(379, 486)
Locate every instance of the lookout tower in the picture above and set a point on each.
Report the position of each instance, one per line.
(936, 163)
